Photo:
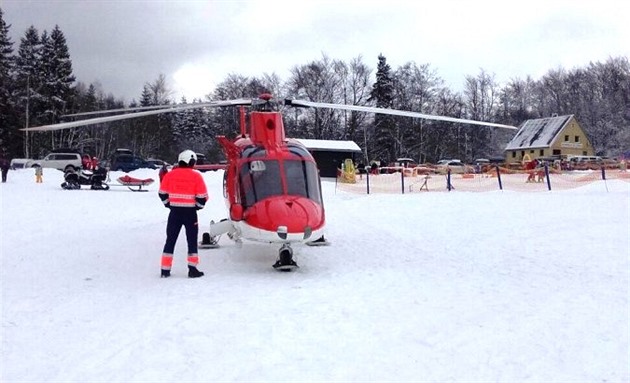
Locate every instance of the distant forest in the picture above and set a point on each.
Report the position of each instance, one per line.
(37, 87)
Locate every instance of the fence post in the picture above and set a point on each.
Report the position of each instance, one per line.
(402, 180)
(499, 177)
(603, 173)
(368, 182)
(448, 180)
(547, 176)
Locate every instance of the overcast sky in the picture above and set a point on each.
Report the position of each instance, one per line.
(124, 44)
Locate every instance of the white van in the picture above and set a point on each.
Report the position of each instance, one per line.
(585, 162)
(585, 159)
(61, 161)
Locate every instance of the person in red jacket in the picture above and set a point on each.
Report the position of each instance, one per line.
(183, 191)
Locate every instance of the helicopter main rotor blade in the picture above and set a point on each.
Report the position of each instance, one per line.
(121, 110)
(394, 112)
(141, 108)
(126, 116)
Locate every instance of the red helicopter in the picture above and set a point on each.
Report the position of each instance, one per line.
(271, 183)
(271, 187)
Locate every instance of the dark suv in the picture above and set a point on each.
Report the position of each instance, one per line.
(127, 163)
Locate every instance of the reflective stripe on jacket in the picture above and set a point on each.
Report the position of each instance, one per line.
(183, 187)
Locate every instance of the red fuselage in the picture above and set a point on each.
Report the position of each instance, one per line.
(274, 183)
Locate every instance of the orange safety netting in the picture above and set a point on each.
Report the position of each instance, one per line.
(515, 180)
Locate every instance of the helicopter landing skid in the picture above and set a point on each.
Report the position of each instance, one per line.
(208, 242)
(321, 241)
(285, 260)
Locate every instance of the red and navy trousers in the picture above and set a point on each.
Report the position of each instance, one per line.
(178, 217)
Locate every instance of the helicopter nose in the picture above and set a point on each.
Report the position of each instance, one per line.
(291, 215)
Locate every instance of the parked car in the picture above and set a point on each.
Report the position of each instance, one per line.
(213, 167)
(481, 161)
(456, 166)
(61, 161)
(19, 163)
(128, 163)
(123, 151)
(65, 150)
(203, 165)
(405, 163)
(157, 162)
(585, 162)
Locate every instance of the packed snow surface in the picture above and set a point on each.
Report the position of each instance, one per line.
(441, 287)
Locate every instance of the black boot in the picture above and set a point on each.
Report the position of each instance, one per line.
(165, 273)
(194, 273)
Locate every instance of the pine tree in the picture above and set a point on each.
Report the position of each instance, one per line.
(57, 74)
(29, 85)
(57, 84)
(10, 139)
(382, 95)
(146, 98)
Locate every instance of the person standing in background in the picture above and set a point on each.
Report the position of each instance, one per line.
(4, 166)
(39, 174)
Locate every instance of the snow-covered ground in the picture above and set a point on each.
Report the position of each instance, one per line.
(439, 287)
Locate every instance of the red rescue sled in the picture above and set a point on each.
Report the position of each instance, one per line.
(135, 184)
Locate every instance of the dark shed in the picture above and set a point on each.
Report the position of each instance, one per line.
(329, 154)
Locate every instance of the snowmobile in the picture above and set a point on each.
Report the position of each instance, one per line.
(94, 178)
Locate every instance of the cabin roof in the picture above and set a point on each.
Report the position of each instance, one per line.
(334, 145)
(538, 133)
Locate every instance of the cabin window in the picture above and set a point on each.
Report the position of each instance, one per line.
(302, 179)
(566, 138)
(254, 151)
(513, 154)
(541, 153)
(577, 138)
(299, 151)
(259, 179)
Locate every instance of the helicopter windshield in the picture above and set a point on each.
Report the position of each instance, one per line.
(302, 179)
(260, 179)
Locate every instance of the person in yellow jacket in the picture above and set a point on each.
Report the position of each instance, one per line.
(183, 191)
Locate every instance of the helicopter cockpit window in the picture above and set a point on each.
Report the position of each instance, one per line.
(254, 151)
(302, 179)
(299, 151)
(259, 180)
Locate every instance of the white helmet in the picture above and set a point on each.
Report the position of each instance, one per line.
(188, 157)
